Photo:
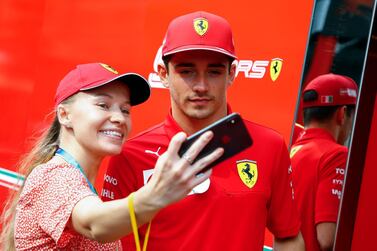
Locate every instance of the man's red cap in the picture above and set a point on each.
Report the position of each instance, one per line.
(199, 31)
(332, 90)
(92, 75)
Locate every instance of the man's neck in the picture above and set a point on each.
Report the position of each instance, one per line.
(191, 125)
(332, 128)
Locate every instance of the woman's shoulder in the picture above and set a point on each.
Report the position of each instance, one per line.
(47, 171)
(50, 167)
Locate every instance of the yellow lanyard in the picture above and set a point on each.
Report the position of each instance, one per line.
(134, 225)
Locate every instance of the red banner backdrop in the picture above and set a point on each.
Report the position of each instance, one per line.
(40, 41)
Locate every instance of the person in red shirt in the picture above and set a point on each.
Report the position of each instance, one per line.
(319, 156)
(58, 207)
(230, 210)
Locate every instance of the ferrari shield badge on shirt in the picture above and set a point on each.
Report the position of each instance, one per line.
(294, 150)
(248, 172)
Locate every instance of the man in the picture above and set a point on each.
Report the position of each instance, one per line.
(228, 211)
(319, 157)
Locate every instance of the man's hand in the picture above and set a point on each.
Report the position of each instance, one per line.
(326, 235)
(289, 244)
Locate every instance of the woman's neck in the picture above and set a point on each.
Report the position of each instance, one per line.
(88, 161)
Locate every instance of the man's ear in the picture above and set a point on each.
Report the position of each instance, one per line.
(163, 74)
(341, 115)
(63, 114)
(232, 72)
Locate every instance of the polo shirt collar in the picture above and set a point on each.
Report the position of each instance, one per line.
(317, 133)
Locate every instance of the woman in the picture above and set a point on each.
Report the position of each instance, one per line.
(58, 207)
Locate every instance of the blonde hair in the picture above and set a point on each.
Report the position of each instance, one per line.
(43, 150)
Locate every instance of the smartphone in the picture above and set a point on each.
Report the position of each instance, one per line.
(229, 132)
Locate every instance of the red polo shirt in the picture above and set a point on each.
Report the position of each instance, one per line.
(227, 212)
(318, 164)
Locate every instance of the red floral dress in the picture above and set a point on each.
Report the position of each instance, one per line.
(48, 197)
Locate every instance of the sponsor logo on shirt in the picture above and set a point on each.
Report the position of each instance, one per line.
(107, 194)
(147, 174)
(111, 180)
(248, 172)
(336, 190)
(154, 152)
(294, 150)
(201, 188)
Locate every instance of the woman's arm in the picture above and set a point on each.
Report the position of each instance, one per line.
(172, 180)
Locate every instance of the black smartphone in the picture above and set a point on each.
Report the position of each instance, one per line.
(229, 132)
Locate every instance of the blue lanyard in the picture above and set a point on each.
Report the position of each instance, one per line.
(67, 157)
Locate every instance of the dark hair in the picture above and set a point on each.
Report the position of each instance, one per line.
(321, 113)
(167, 59)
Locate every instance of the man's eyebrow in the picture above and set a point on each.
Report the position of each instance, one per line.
(217, 65)
(221, 65)
(183, 65)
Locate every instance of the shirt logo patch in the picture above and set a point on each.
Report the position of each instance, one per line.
(147, 175)
(294, 150)
(248, 172)
(154, 152)
(201, 188)
(201, 26)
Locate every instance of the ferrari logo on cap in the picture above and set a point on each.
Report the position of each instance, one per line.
(201, 25)
(109, 68)
(275, 68)
(248, 172)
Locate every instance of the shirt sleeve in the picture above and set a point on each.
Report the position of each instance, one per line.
(330, 183)
(283, 220)
(63, 188)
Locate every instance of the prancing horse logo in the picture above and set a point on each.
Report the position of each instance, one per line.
(275, 68)
(248, 172)
(109, 68)
(201, 25)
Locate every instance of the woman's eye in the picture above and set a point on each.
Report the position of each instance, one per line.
(103, 105)
(125, 111)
